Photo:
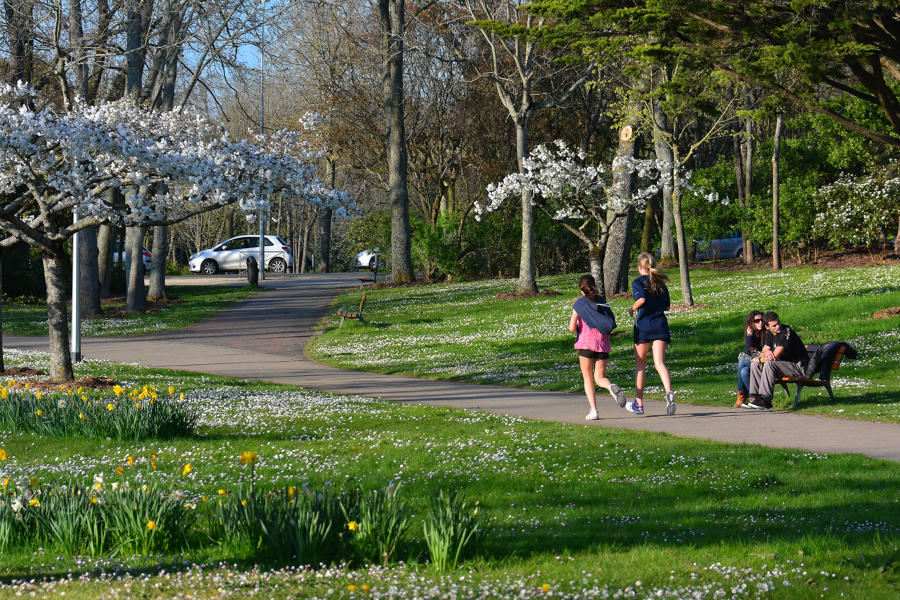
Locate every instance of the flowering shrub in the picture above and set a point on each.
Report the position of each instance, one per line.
(139, 414)
(858, 210)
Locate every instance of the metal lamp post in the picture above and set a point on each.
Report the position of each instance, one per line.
(75, 342)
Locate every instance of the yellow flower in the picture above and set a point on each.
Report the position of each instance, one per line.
(181, 397)
(3, 454)
(117, 390)
(6, 481)
(153, 464)
(249, 458)
(83, 398)
(38, 395)
(129, 459)
(137, 404)
(34, 502)
(222, 492)
(63, 387)
(365, 587)
(151, 525)
(154, 455)
(187, 469)
(81, 416)
(80, 390)
(243, 503)
(290, 490)
(545, 587)
(94, 500)
(120, 471)
(352, 525)
(38, 412)
(171, 390)
(27, 385)
(110, 406)
(351, 588)
(3, 393)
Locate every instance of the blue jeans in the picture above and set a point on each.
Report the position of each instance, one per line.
(743, 371)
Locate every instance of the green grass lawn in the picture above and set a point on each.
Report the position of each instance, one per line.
(187, 305)
(571, 511)
(461, 331)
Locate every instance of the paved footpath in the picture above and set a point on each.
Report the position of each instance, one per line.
(264, 337)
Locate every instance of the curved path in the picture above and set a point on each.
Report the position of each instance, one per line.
(263, 338)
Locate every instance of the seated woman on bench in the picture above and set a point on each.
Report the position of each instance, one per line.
(783, 355)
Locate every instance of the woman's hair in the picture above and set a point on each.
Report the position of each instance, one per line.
(588, 285)
(658, 279)
(748, 324)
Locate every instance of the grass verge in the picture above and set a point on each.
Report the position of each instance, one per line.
(464, 332)
(572, 511)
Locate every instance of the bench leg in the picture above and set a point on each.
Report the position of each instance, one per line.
(786, 390)
(797, 395)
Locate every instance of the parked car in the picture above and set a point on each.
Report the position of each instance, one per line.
(366, 259)
(728, 247)
(232, 254)
(145, 255)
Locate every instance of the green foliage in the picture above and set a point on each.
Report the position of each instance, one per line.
(451, 529)
(23, 271)
(370, 232)
(133, 416)
(378, 521)
(146, 519)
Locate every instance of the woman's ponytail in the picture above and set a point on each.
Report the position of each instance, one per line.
(588, 286)
(658, 279)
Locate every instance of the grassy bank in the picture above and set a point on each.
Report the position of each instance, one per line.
(570, 511)
(464, 332)
(186, 306)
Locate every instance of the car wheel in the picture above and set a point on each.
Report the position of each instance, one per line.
(739, 253)
(372, 262)
(209, 267)
(277, 265)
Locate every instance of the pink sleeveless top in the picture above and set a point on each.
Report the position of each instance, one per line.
(591, 339)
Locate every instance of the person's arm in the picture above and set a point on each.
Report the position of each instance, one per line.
(573, 321)
(637, 304)
(766, 353)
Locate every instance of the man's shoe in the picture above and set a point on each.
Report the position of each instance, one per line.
(761, 404)
(618, 395)
(742, 397)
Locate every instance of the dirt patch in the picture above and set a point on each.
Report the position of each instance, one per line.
(678, 308)
(521, 296)
(21, 372)
(887, 313)
(828, 259)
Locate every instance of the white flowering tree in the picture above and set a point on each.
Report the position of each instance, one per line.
(861, 209)
(56, 163)
(581, 197)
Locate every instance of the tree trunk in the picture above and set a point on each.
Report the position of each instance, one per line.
(748, 179)
(88, 272)
(158, 254)
(595, 260)
(105, 244)
(393, 22)
(649, 224)
(57, 318)
(76, 38)
(897, 238)
(135, 293)
(618, 246)
(527, 283)
(686, 294)
(776, 149)
(305, 245)
(323, 236)
(2, 367)
(20, 36)
(667, 250)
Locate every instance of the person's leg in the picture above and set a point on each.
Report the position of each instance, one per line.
(755, 375)
(587, 372)
(600, 377)
(743, 371)
(659, 361)
(766, 384)
(640, 367)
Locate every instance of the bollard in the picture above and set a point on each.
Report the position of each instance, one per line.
(252, 271)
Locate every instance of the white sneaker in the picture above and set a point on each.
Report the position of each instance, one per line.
(670, 403)
(637, 409)
(592, 416)
(618, 395)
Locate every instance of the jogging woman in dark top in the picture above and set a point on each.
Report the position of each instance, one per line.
(754, 336)
(651, 329)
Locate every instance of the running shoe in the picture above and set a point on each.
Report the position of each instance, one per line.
(637, 409)
(592, 416)
(618, 395)
(670, 403)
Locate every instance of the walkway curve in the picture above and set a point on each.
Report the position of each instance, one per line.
(263, 338)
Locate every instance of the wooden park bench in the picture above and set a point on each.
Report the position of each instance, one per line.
(349, 315)
(822, 361)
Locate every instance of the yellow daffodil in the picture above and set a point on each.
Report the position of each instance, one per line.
(181, 397)
(154, 455)
(171, 390)
(352, 525)
(83, 398)
(545, 587)
(27, 385)
(152, 464)
(243, 503)
(38, 395)
(222, 492)
(34, 502)
(137, 404)
(351, 588)
(249, 458)
(110, 406)
(81, 416)
(80, 390)
(38, 412)
(187, 469)
(129, 459)
(117, 390)
(94, 500)
(120, 471)
(364, 587)
(3, 454)
(151, 525)
(290, 490)
(3, 393)
(6, 481)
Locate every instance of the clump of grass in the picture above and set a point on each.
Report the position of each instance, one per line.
(451, 529)
(125, 416)
(378, 522)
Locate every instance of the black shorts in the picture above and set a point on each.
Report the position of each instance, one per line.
(593, 355)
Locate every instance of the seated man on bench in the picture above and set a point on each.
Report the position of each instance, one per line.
(783, 355)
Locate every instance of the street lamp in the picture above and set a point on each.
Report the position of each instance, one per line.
(75, 342)
(262, 132)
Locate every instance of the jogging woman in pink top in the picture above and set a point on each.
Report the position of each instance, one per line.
(593, 343)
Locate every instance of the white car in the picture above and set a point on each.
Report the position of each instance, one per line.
(145, 256)
(232, 255)
(366, 259)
